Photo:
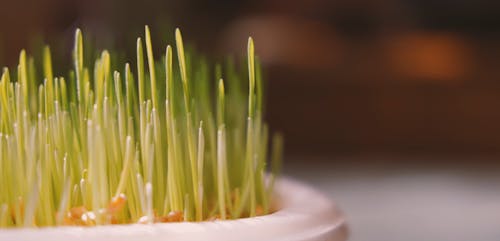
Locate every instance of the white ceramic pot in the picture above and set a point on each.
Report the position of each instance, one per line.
(306, 215)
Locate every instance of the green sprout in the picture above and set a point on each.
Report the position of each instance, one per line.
(103, 146)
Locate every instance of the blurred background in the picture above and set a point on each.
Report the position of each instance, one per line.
(391, 107)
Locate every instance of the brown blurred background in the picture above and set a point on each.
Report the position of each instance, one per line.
(391, 107)
(364, 76)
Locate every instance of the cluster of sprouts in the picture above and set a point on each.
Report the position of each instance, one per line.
(167, 140)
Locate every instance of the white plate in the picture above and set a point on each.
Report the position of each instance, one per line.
(306, 215)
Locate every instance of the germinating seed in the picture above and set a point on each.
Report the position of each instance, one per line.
(165, 142)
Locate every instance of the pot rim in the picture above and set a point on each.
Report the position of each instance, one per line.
(305, 214)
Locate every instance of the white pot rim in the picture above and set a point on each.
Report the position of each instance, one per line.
(306, 215)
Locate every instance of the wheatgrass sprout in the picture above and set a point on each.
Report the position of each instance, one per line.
(172, 141)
